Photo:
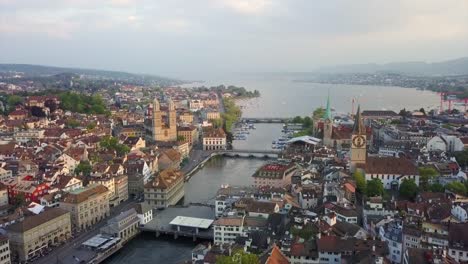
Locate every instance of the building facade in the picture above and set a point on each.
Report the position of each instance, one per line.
(166, 189)
(37, 233)
(164, 131)
(5, 254)
(87, 206)
(214, 139)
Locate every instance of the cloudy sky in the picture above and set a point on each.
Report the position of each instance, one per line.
(175, 37)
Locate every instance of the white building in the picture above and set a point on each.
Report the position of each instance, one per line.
(5, 174)
(460, 211)
(227, 229)
(29, 135)
(4, 250)
(392, 233)
(445, 143)
(144, 213)
(391, 171)
(214, 139)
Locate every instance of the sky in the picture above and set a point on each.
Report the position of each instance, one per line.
(181, 38)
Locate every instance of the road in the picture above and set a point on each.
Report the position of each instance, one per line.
(196, 156)
(61, 254)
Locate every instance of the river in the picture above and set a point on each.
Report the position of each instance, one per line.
(280, 97)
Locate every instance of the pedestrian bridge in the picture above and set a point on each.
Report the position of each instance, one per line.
(266, 119)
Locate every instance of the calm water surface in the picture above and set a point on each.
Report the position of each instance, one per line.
(282, 96)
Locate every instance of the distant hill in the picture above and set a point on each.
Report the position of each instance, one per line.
(450, 67)
(40, 71)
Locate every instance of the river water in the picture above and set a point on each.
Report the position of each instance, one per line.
(280, 97)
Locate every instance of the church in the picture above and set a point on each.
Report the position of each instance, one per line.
(339, 136)
(391, 171)
(164, 129)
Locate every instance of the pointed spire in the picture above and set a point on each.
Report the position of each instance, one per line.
(359, 127)
(328, 114)
(171, 105)
(156, 106)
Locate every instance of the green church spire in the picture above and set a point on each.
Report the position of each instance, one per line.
(328, 114)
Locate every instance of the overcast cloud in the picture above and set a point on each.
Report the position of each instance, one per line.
(177, 38)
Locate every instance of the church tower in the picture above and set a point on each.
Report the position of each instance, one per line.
(157, 119)
(358, 142)
(172, 121)
(328, 125)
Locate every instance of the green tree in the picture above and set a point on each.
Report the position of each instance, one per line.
(72, 123)
(239, 257)
(217, 123)
(91, 126)
(426, 174)
(180, 138)
(306, 232)
(456, 187)
(375, 188)
(437, 187)
(307, 122)
(19, 200)
(422, 110)
(408, 189)
(14, 100)
(360, 182)
(318, 113)
(111, 143)
(84, 168)
(297, 120)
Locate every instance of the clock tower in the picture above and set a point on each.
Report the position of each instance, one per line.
(358, 142)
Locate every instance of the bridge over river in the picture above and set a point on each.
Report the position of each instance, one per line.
(266, 119)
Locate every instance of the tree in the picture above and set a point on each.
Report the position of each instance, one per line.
(403, 112)
(72, 123)
(91, 126)
(239, 257)
(318, 113)
(437, 187)
(180, 138)
(13, 100)
(307, 122)
(375, 188)
(422, 110)
(456, 187)
(217, 123)
(360, 182)
(19, 200)
(111, 143)
(426, 174)
(84, 168)
(297, 120)
(408, 189)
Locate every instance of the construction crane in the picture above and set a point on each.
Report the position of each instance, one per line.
(445, 97)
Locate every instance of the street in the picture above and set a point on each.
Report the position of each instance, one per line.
(62, 254)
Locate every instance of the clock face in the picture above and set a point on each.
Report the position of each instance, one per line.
(359, 141)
